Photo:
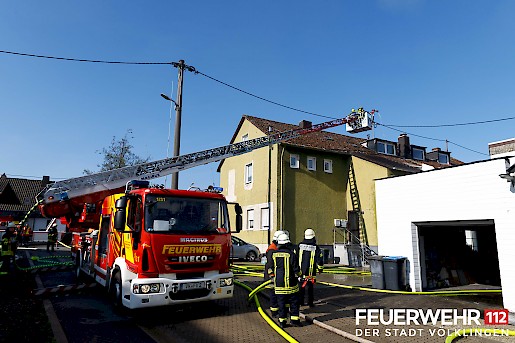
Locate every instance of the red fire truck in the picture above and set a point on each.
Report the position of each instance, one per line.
(151, 246)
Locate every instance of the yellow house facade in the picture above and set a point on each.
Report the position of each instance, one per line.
(307, 182)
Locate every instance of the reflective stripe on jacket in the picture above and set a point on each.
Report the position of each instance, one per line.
(310, 257)
(7, 247)
(286, 270)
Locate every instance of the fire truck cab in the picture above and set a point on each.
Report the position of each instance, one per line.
(157, 247)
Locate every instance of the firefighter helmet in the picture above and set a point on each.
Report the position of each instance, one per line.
(283, 239)
(309, 233)
(277, 234)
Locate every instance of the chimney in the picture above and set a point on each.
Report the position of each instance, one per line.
(436, 149)
(404, 146)
(45, 181)
(305, 124)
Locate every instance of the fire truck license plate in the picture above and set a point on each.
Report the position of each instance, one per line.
(193, 285)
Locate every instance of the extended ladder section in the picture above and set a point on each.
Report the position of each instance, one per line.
(115, 180)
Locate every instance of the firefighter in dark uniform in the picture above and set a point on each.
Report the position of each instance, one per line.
(52, 237)
(274, 307)
(311, 260)
(9, 245)
(285, 271)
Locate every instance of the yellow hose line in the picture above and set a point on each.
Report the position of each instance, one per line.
(442, 293)
(257, 267)
(459, 292)
(259, 288)
(64, 245)
(247, 274)
(469, 332)
(270, 322)
(343, 272)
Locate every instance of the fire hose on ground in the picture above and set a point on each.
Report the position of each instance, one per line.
(245, 271)
(45, 263)
(469, 332)
(263, 314)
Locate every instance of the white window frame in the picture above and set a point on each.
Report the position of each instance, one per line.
(245, 137)
(313, 161)
(421, 150)
(385, 150)
(328, 166)
(294, 161)
(249, 173)
(265, 218)
(250, 219)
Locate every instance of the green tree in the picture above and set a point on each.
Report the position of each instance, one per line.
(119, 154)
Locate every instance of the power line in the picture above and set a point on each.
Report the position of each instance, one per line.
(83, 60)
(434, 139)
(192, 69)
(261, 98)
(164, 63)
(455, 124)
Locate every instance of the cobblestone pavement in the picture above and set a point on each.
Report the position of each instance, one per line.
(337, 307)
(236, 320)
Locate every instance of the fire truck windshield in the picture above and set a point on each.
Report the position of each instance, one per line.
(167, 214)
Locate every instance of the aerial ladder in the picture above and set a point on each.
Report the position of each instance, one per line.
(74, 198)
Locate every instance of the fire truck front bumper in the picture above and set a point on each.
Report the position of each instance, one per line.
(151, 292)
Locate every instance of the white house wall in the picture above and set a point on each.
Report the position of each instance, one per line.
(469, 192)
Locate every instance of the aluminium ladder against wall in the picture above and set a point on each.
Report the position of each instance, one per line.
(362, 239)
(118, 178)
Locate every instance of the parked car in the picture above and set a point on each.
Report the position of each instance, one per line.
(243, 250)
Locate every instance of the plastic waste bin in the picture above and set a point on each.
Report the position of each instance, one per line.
(394, 272)
(377, 271)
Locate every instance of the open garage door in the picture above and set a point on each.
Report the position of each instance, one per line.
(458, 253)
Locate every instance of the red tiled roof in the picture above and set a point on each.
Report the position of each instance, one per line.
(340, 144)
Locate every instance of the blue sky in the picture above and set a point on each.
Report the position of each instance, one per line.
(419, 62)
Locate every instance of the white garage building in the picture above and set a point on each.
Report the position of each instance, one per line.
(456, 225)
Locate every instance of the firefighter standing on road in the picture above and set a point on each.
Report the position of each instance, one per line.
(285, 271)
(26, 234)
(274, 307)
(310, 260)
(52, 237)
(8, 247)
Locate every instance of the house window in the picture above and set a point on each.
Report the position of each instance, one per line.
(250, 219)
(245, 137)
(294, 161)
(328, 166)
(418, 154)
(443, 158)
(385, 148)
(312, 163)
(248, 173)
(265, 218)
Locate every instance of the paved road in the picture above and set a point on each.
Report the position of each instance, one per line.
(88, 317)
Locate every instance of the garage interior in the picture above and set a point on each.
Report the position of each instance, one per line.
(458, 253)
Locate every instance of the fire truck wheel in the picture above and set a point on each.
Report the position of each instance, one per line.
(251, 256)
(115, 291)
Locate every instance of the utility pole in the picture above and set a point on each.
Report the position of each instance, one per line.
(178, 113)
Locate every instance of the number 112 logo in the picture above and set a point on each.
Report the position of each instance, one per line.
(496, 317)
